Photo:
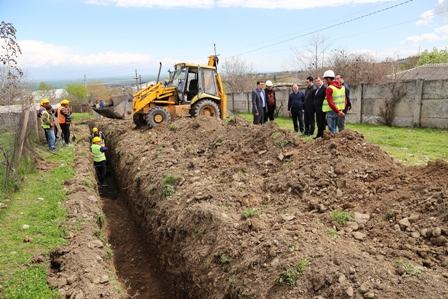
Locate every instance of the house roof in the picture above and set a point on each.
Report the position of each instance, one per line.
(425, 72)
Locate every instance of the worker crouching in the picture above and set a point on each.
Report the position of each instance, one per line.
(99, 160)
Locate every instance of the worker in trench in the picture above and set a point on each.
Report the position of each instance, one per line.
(99, 160)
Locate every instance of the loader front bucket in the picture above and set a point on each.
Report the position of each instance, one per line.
(120, 107)
(110, 112)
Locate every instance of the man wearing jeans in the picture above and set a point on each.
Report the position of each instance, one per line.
(334, 102)
(47, 123)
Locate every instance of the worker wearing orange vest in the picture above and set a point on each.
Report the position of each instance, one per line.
(65, 119)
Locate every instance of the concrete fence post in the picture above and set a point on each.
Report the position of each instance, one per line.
(418, 102)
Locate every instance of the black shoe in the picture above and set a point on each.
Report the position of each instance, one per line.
(104, 184)
(295, 132)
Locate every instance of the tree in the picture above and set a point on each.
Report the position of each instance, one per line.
(12, 91)
(313, 55)
(77, 94)
(10, 74)
(46, 91)
(98, 91)
(238, 75)
(433, 57)
(358, 68)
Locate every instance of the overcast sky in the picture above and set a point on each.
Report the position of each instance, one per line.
(67, 39)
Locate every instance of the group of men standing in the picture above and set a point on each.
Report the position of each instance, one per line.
(324, 103)
(331, 102)
(50, 121)
(264, 102)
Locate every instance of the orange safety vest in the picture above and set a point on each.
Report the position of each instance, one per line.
(61, 117)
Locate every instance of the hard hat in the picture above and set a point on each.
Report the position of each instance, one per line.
(269, 83)
(329, 74)
(64, 102)
(45, 101)
(95, 130)
(96, 139)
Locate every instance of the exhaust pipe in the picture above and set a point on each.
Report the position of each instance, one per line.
(158, 76)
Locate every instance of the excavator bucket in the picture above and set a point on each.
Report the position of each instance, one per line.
(120, 107)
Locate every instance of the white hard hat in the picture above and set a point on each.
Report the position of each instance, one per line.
(269, 83)
(329, 74)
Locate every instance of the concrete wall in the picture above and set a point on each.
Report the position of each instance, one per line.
(425, 103)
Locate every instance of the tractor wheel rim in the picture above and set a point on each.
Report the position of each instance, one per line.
(208, 112)
(158, 118)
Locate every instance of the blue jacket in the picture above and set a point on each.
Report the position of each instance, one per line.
(296, 100)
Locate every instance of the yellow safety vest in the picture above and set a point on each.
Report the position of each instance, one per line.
(98, 155)
(42, 124)
(338, 99)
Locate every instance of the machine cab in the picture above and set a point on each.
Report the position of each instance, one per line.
(185, 79)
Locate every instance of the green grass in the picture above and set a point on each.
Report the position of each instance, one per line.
(341, 217)
(19, 278)
(76, 116)
(408, 269)
(249, 213)
(409, 146)
(290, 276)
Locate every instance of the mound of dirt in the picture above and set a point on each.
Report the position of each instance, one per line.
(235, 210)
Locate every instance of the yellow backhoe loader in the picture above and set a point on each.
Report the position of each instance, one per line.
(191, 90)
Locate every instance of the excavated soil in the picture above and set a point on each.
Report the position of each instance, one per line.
(222, 209)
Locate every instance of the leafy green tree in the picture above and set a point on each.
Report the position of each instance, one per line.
(46, 91)
(77, 93)
(433, 57)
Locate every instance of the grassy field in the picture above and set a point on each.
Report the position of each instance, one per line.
(30, 222)
(410, 146)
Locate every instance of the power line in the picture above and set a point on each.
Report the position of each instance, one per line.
(328, 22)
(365, 32)
(325, 28)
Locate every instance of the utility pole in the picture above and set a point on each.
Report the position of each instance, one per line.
(136, 81)
(85, 82)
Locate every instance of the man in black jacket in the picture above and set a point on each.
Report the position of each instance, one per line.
(309, 106)
(318, 101)
(258, 103)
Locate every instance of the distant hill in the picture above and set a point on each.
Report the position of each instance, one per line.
(110, 81)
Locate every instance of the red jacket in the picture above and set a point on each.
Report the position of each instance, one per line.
(329, 94)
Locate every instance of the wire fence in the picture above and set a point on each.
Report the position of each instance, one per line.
(19, 127)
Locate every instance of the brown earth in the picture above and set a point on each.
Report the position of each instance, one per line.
(191, 240)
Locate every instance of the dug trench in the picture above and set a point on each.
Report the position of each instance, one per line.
(227, 209)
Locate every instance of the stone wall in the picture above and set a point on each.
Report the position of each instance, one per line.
(425, 103)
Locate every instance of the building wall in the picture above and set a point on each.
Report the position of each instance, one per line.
(424, 103)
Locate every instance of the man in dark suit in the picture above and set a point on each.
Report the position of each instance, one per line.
(309, 106)
(319, 97)
(258, 103)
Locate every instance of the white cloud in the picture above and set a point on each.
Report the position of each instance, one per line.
(440, 9)
(154, 3)
(443, 29)
(427, 37)
(426, 18)
(268, 4)
(37, 54)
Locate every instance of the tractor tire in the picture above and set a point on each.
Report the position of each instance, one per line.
(206, 108)
(157, 116)
(138, 119)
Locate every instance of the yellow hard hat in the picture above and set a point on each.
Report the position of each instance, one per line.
(96, 139)
(64, 102)
(95, 130)
(45, 101)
